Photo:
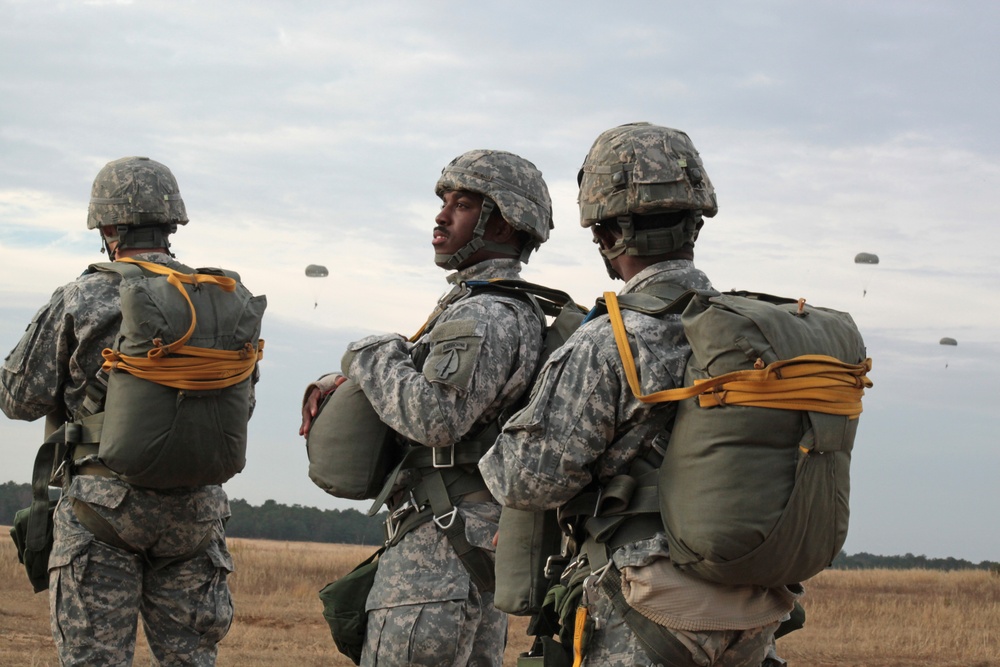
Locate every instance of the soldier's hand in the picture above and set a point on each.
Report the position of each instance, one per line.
(311, 403)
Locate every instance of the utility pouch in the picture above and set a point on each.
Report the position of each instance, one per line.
(32, 530)
(34, 553)
(528, 544)
(344, 607)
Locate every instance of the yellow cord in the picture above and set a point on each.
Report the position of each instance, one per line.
(191, 368)
(814, 382)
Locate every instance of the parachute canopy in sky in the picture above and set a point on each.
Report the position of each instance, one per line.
(317, 271)
(948, 341)
(866, 258)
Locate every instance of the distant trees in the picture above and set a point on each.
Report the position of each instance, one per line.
(295, 523)
(13, 497)
(866, 561)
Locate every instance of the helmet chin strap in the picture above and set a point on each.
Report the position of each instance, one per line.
(655, 241)
(152, 237)
(477, 241)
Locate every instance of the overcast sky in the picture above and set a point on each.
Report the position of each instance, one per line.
(313, 132)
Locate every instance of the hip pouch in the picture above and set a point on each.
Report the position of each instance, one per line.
(344, 607)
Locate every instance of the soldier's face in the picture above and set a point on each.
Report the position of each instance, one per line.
(456, 222)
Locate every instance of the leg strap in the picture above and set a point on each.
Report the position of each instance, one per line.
(106, 533)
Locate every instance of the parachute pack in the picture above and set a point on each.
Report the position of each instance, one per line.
(753, 485)
(176, 412)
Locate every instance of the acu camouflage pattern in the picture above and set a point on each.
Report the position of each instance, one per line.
(135, 191)
(614, 644)
(48, 370)
(642, 168)
(513, 183)
(473, 363)
(60, 350)
(97, 591)
(583, 424)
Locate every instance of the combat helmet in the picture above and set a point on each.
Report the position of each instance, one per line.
(139, 198)
(506, 181)
(641, 169)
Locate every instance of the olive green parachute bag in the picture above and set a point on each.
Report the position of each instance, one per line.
(755, 481)
(179, 375)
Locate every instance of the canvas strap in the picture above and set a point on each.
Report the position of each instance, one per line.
(813, 382)
(176, 364)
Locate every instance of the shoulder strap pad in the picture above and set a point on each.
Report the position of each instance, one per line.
(124, 269)
(655, 300)
(551, 300)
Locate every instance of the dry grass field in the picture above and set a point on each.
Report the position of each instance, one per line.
(871, 618)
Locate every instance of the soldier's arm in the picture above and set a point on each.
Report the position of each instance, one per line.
(472, 353)
(34, 371)
(546, 452)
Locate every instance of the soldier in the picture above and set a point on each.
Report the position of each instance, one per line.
(161, 554)
(443, 393)
(643, 194)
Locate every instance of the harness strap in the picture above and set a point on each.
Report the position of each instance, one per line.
(658, 643)
(813, 382)
(434, 496)
(37, 532)
(191, 368)
(104, 532)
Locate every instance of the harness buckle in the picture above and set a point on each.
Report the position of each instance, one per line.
(447, 463)
(395, 518)
(449, 517)
(555, 566)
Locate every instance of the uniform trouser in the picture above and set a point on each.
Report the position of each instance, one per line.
(453, 633)
(614, 644)
(97, 592)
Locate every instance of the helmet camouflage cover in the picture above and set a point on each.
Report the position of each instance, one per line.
(135, 191)
(513, 183)
(641, 168)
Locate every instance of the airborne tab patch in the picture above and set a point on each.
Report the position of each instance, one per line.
(455, 347)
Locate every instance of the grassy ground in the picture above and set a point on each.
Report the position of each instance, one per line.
(869, 618)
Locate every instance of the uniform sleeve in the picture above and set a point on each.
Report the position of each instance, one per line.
(471, 353)
(34, 371)
(546, 452)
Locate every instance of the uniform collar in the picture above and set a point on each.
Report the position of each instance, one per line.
(486, 270)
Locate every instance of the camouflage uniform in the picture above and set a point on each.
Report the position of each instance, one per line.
(423, 608)
(583, 424)
(97, 590)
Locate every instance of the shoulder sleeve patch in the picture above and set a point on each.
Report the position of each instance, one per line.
(455, 348)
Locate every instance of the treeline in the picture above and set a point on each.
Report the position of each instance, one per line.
(295, 523)
(866, 561)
